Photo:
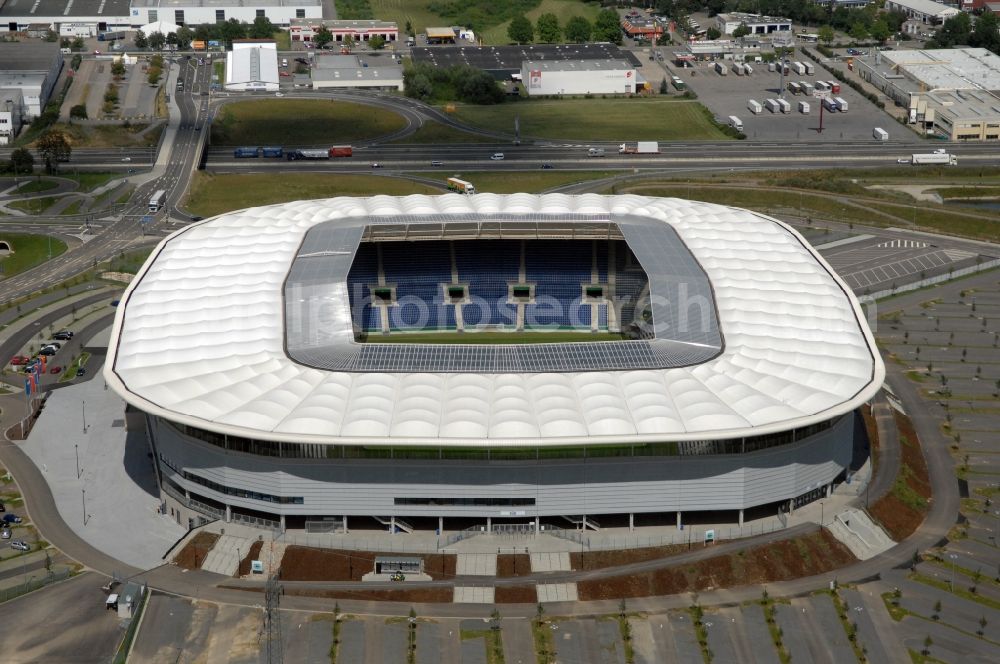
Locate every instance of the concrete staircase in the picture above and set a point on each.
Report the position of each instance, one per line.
(860, 534)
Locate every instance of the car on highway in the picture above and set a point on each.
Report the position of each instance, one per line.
(279, 94)
(436, 163)
(20, 545)
(126, 160)
(902, 160)
(546, 167)
(96, 52)
(497, 156)
(19, 360)
(63, 335)
(375, 164)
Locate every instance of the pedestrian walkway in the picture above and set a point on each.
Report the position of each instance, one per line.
(556, 592)
(473, 595)
(860, 534)
(224, 558)
(550, 562)
(476, 564)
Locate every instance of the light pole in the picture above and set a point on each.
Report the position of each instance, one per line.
(821, 509)
(951, 584)
(83, 410)
(83, 494)
(76, 449)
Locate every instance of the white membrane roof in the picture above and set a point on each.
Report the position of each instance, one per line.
(199, 338)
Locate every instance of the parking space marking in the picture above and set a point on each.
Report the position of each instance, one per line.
(904, 267)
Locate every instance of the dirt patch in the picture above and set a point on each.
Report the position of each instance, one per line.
(902, 510)
(301, 563)
(513, 564)
(603, 559)
(252, 554)
(871, 428)
(814, 553)
(194, 552)
(414, 595)
(515, 594)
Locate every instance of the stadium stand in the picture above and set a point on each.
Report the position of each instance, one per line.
(488, 267)
(363, 274)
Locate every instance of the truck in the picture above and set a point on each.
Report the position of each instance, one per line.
(841, 104)
(720, 69)
(738, 68)
(341, 151)
(830, 105)
(771, 105)
(784, 106)
(735, 123)
(277, 152)
(295, 155)
(246, 153)
(804, 107)
(642, 147)
(595, 152)
(937, 158)
(822, 86)
(880, 134)
(747, 69)
(807, 88)
(461, 186)
(110, 36)
(754, 106)
(810, 70)
(834, 87)
(795, 88)
(677, 82)
(799, 68)
(156, 200)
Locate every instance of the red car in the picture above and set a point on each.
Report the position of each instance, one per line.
(283, 73)
(55, 370)
(18, 360)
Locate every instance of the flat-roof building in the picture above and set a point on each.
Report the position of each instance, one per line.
(758, 24)
(11, 114)
(33, 68)
(925, 11)
(580, 77)
(97, 15)
(198, 12)
(304, 30)
(381, 72)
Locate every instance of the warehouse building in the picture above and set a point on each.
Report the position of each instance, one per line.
(33, 69)
(924, 11)
(951, 92)
(89, 16)
(304, 30)
(11, 114)
(580, 77)
(252, 66)
(198, 12)
(356, 71)
(756, 23)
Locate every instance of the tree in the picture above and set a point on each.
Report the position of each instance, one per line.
(740, 32)
(607, 27)
(664, 88)
(987, 32)
(956, 30)
(548, 29)
(172, 38)
(376, 43)
(261, 28)
(409, 29)
(154, 75)
(53, 147)
(928, 642)
(118, 68)
(141, 41)
(323, 36)
(880, 31)
(477, 87)
(859, 32)
(826, 34)
(520, 30)
(78, 111)
(577, 30)
(76, 61)
(417, 86)
(157, 40)
(714, 33)
(184, 37)
(77, 44)
(22, 161)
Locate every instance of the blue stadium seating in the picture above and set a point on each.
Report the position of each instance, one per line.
(418, 269)
(364, 272)
(558, 268)
(488, 267)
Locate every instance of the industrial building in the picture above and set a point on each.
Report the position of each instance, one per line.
(580, 77)
(86, 16)
(381, 72)
(642, 28)
(11, 114)
(708, 360)
(197, 12)
(33, 69)
(950, 92)
(252, 66)
(503, 62)
(924, 11)
(756, 23)
(304, 30)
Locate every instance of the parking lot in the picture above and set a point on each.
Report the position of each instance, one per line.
(728, 95)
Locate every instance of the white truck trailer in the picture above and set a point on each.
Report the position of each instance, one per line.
(798, 68)
(720, 69)
(735, 123)
(784, 106)
(810, 69)
(771, 105)
(804, 107)
(841, 104)
(754, 106)
(880, 134)
(642, 147)
(935, 159)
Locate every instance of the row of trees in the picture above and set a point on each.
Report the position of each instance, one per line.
(429, 83)
(225, 31)
(578, 30)
(960, 31)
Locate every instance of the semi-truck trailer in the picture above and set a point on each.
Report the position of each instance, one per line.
(735, 123)
(807, 88)
(341, 151)
(834, 87)
(461, 186)
(720, 69)
(841, 104)
(246, 153)
(795, 87)
(595, 152)
(754, 106)
(880, 134)
(830, 105)
(771, 105)
(935, 159)
(799, 68)
(747, 69)
(804, 107)
(810, 70)
(273, 152)
(738, 68)
(784, 106)
(295, 155)
(642, 147)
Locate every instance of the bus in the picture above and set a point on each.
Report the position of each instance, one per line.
(156, 202)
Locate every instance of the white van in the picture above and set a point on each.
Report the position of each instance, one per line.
(284, 62)
(735, 123)
(497, 156)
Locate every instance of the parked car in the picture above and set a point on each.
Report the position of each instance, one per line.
(5, 533)
(284, 73)
(20, 545)
(11, 518)
(81, 371)
(63, 335)
(53, 344)
(48, 351)
(18, 360)
(55, 370)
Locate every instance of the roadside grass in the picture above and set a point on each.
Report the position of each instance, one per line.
(125, 196)
(896, 612)
(90, 181)
(213, 194)
(958, 590)
(219, 71)
(968, 192)
(283, 39)
(72, 369)
(72, 208)
(936, 218)
(513, 182)
(106, 136)
(126, 261)
(541, 632)
(35, 187)
(29, 251)
(301, 122)
(435, 132)
(34, 205)
(658, 118)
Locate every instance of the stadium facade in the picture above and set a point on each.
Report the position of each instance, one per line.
(318, 362)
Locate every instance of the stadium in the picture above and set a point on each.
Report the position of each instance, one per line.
(509, 361)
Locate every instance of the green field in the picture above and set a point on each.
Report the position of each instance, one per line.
(968, 192)
(214, 194)
(435, 132)
(34, 205)
(494, 338)
(531, 182)
(29, 251)
(563, 9)
(646, 119)
(301, 122)
(35, 187)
